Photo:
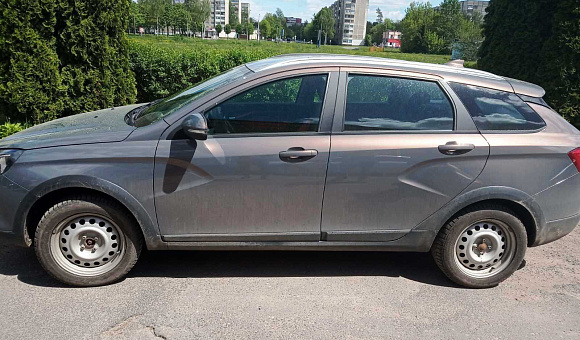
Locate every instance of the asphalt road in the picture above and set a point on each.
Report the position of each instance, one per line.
(227, 295)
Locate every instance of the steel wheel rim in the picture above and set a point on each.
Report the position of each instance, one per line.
(87, 245)
(485, 249)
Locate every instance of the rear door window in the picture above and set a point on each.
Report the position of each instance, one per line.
(494, 110)
(391, 103)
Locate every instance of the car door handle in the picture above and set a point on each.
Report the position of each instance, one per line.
(453, 148)
(295, 155)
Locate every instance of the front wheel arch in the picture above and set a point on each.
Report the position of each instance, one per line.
(40, 199)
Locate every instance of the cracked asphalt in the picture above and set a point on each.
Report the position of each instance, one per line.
(306, 295)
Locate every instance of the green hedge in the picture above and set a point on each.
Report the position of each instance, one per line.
(8, 129)
(161, 71)
(61, 57)
(537, 41)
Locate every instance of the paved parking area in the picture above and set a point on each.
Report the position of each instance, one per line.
(229, 295)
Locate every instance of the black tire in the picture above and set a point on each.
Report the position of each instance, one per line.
(90, 205)
(443, 249)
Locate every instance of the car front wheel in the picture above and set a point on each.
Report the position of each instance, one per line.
(481, 247)
(87, 241)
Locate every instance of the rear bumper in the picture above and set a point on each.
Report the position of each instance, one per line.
(556, 229)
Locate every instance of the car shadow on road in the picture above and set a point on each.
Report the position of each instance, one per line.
(419, 267)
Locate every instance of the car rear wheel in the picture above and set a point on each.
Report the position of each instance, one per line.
(87, 241)
(481, 247)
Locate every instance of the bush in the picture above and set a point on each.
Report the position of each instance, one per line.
(162, 71)
(8, 129)
(60, 57)
(537, 41)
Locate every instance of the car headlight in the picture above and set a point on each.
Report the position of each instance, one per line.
(8, 158)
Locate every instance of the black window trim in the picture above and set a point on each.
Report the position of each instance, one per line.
(273, 134)
(405, 75)
(333, 74)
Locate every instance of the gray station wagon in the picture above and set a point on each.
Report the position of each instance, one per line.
(301, 152)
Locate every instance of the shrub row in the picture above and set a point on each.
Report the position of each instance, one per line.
(8, 129)
(537, 41)
(61, 57)
(161, 71)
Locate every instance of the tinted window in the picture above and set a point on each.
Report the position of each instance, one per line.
(388, 103)
(494, 110)
(288, 105)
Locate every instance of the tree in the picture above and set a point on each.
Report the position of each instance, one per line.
(61, 57)
(155, 9)
(218, 29)
(324, 20)
(136, 17)
(379, 15)
(536, 41)
(426, 30)
(228, 30)
(559, 72)
(245, 15)
(377, 31)
(239, 29)
(234, 14)
(249, 29)
(368, 40)
(265, 28)
(447, 22)
(199, 11)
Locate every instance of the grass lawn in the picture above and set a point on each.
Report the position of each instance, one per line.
(273, 48)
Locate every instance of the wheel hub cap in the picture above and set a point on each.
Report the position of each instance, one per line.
(89, 242)
(481, 246)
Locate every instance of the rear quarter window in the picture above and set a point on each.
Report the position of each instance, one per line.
(494, 110)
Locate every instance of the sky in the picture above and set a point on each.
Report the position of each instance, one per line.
(392, 9)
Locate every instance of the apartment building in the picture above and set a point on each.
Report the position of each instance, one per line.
(470, 7)
(392, 39)
(291, 21)
(351, 21)
(219, 13)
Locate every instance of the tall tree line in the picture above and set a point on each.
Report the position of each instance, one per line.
(60, 57)
(165, 16)
(537, 41)
(435, 30)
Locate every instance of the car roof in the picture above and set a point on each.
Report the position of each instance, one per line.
(448, 72)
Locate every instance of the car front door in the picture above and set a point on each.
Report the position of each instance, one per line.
(260, 174)
(401, 149)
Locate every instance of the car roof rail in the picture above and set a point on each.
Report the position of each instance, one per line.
(456, 63)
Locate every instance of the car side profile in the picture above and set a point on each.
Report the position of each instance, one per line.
(301, 152)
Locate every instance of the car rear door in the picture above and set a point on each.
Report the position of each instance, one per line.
(260, 175)
(403, 146)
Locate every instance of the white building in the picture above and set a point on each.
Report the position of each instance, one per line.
(470, 7)
(351, 21)
(219, 13)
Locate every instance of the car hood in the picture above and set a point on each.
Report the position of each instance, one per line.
(103, 126)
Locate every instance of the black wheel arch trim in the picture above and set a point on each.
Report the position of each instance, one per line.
(437, 220)
(147, 224)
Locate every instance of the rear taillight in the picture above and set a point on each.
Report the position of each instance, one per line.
(575, 157)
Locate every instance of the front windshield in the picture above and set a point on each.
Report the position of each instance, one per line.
(171, 104)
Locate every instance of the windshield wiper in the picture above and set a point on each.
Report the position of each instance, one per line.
(136, 112)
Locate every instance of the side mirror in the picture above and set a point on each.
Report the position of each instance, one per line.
(195, 127)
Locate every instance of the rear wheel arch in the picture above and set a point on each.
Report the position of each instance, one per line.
(39, 200)
(519, 210)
